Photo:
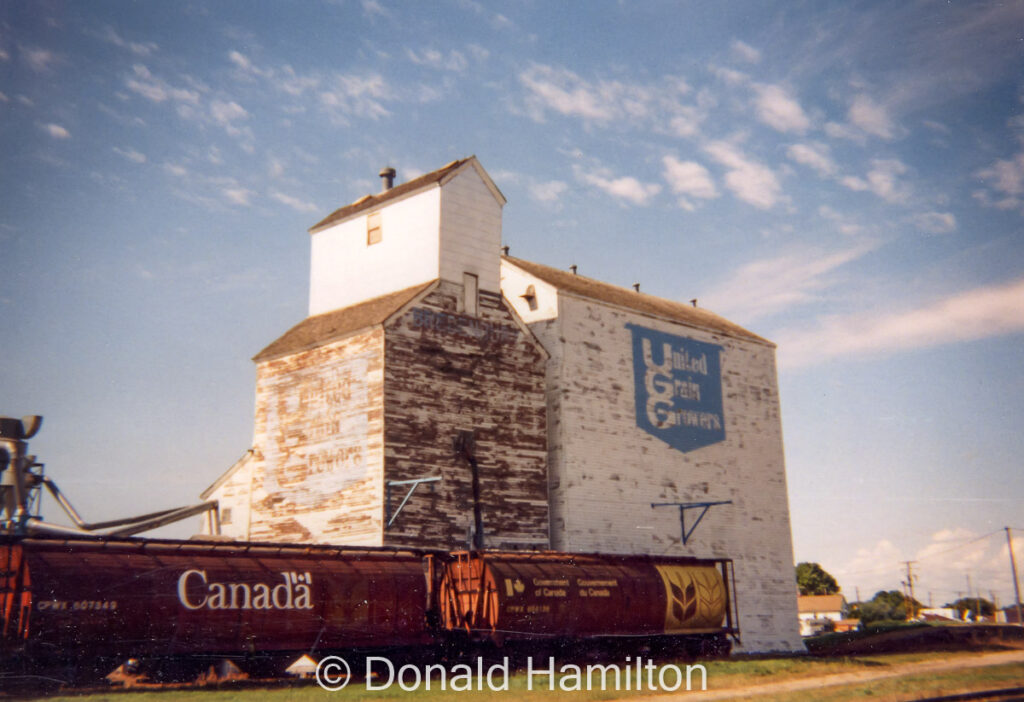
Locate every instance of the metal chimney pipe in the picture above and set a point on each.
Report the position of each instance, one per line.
(387, 178)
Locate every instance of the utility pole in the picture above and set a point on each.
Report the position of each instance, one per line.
(910, 587)
(1016, 582)
(969, 595)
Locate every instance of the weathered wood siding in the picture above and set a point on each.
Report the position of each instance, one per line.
(444, 373)
(606, 471)
(318, 437)
(232, 495)
(470, 230)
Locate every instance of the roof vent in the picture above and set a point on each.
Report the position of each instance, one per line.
(693, 302)
(636, 286)
(573, 268)
(504, 250)
(387, 178)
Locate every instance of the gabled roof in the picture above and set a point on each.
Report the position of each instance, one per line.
(819, 603)
(325, 327)
(437, 177)
(624, 297)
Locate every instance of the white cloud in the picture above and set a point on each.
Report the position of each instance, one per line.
(238, 196)
(729, 75)
(4, 56)
(131, 154)
(565, 92)
(844, 131)
(814, 155)
(293, 202)
(4, 98)
(356, 95)
(500, 21)
(937, 127)
(625, 188)
(605, 102)
(688, 179)
(868, 116)
(765, 287)
(941, 563)
(548, 192)
(294, 84)
(882, 180)
(749, 180)
(974, 314)
(479, 53)
(845, 225)
(175, 169)
(373, 7)
(1006, 177)
(686, 122)
(39, 60)
(247, 68)
(144, 83)
(882, 559)
(57, 131)
(779, 110)
(224, 113)
(137, 48)
(935, 222)
(240, 60)
(745, 51)
(432, 58)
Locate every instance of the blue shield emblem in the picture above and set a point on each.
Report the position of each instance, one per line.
(678, 388)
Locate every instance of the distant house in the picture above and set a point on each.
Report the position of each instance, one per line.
(938, 614)
(1010, 615)
(821, 613)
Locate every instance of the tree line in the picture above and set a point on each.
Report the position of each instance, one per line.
(886, 605)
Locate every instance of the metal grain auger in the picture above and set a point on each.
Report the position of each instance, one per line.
(22, 479)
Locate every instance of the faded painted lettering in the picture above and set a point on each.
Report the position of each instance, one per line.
(678, 388)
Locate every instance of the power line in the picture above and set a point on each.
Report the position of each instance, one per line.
(959, 546)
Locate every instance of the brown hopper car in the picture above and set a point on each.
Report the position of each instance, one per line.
(68, 599)
(92, 603)
(521, 595)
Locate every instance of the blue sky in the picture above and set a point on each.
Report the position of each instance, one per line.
(846, 179)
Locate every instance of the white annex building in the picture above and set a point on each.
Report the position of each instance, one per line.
(604, 419)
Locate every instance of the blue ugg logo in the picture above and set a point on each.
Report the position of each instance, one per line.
(678, 388)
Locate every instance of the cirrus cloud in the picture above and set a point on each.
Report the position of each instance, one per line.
(985, 312)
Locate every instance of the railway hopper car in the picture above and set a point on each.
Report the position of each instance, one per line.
(75, 600)
(525, 596)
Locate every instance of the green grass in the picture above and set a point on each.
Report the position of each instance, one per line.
(727, 674)
(911, 687)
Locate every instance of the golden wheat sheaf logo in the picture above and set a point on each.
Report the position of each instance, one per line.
(695, 598)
